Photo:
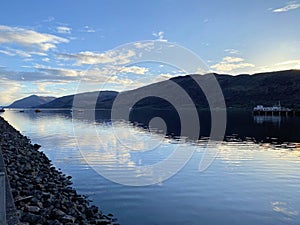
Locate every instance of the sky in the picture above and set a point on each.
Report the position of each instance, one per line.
(50, 48)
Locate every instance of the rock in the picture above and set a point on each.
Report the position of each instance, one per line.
(19, 198)
(24, 223)
(68, 218)
(102, 221)
(58, 213)
(36, 146)
(31, 218)
(39, 204)
(33, 209)
(47, 203)
(89, 213)
(42, 194)
(55, 222)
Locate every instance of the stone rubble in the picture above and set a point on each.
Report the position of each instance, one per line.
(43, 195)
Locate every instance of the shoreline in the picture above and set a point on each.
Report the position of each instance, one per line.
(42, 194)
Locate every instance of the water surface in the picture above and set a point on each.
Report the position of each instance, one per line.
(247, 183)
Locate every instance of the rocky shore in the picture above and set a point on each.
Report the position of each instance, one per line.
(43, 194)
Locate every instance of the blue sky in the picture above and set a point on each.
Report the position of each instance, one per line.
(47, 48)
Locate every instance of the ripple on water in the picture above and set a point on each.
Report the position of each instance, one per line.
(247, 183)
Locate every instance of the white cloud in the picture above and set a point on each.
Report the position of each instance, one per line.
(111, 74)
(160, 77)
(166, 75)
(29, 38)
(50, 81)
(45, 59)
(223, 67)
(50, 73)
(229, 64)
(290, 63)
(41, 73)
(229, 59)
(103, 76)
(38, 53)
(53, 88)
(49, 19)
(21, 53)
(14, 52)
(88, 29)
(200, 70)
(63, 30)
(92, 58)
(134, 69)
(287, 8)
(43, 88)
(27, 59)
(144, 45)
(9, 90)
(159, 35)
(232, 51)
(7, 53)
(285, 65)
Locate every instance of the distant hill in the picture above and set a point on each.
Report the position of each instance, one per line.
(104, 98)
(31, 101)
(242, 91)
(246, 91)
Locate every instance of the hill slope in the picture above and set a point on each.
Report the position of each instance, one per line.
(242, 91)
(85, 100)
(264, 88)
(31, 101)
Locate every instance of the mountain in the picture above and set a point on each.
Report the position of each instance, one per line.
(242, 91)
(86, 100)
(31, 101)
(247, 91)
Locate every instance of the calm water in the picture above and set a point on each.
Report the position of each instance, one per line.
(247, 183)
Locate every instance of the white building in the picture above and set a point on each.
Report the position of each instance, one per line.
(275, 108)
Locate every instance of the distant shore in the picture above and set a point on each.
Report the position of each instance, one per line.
(43, 194)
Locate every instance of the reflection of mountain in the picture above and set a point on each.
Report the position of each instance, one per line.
(31, 101)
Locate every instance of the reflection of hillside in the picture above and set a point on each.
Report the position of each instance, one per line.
(123, 147)
(237, 153)
(119, 144)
